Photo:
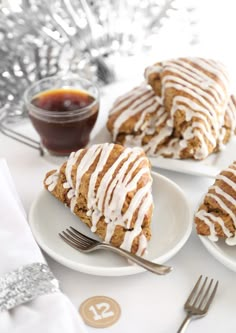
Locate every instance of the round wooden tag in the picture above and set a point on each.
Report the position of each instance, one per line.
(100, 311)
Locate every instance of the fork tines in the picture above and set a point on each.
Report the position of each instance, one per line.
(202, 295)
(199, 301)
(74, 238)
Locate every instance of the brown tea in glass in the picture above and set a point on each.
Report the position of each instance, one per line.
(63, 116)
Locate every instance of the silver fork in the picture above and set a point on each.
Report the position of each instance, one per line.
(86, 244)
(199, 301)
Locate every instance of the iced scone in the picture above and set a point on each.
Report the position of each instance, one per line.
(138, 118)
(195, 91)
(216, 216)
(109, 188)
(184, 110)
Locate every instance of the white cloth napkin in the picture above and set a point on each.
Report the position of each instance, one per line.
(48, 313)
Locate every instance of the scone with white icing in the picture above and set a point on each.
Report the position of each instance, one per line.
(109, 188)
(183, 110)
(195, 92)
(216, 216)
(138, 118)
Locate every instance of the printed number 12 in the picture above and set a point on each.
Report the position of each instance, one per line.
(103, 309)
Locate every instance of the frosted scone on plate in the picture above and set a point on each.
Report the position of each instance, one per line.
(138, 118)
(195, 91)
(109, 188)
(216, 216)
(183, 110)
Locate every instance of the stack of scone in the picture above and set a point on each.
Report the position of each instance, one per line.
(184, 109)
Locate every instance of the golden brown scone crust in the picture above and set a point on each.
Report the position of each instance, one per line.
(81, 206)
(139, 105)
(218, 204)
(172, 82)
(154, 78)
(195, 115)
(228, 129)
(139, 119)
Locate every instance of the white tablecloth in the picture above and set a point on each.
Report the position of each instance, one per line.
(149, 303)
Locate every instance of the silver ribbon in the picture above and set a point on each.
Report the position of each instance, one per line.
(25, 284)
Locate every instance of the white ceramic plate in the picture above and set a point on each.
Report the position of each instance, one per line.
(224, 253)
(171, 227)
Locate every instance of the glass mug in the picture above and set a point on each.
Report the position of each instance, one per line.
(63, 111)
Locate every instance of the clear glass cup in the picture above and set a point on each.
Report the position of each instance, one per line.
(63, 111)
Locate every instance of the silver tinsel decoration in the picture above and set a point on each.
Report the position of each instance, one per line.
(25, 284)
(40, 38)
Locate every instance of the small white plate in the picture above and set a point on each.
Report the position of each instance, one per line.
(171, 227)
(224, 253)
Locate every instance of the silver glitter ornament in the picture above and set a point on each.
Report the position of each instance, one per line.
(25, 284)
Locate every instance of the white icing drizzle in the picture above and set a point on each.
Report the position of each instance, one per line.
(105, 153)
(117, 186)
(228, 197)
(202, 85)
(142, 245)
(154, 125)
(51, 181)
(86, 161)
(69, 165)
(225, 205)
(205, 98)
(157, 68)
(231, 114)
(196, 92)
(129, 237)
(231, 241)
(205, 217)
(208, 218)
(231, 170)
(106, 199)
(110, 198)
(124, 100)
(229, 123)
(143, 101)
(226, 180)
(205, 81)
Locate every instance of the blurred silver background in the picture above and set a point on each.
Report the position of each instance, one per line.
(39, 38)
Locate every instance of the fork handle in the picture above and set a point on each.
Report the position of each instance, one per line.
(185, 323)
(148, 265)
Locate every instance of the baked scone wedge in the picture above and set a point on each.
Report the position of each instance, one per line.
(216, 216)
(195, 92)
(109, 188)
(138, 118)
(228, 130)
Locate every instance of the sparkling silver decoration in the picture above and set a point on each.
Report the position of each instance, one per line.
(25, 284)
(40, 38)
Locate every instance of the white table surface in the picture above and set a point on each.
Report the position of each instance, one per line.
(149, 303)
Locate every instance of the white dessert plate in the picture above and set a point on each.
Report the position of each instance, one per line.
(224, 253)
(171, 227)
